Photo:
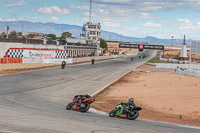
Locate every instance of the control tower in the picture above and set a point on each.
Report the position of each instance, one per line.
(91, 31)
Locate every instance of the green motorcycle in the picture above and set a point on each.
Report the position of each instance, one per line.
(125, 110)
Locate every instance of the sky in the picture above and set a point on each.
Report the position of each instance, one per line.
(135, 18)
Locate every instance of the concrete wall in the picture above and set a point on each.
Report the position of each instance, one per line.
(69, 60)
(39, 60)
(86, 59)
(4, 46)
(188, 72)
(166, 65)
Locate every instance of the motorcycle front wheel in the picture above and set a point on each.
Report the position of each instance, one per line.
(87, 107)
(112, 113)
(69, 106)
(132, 116)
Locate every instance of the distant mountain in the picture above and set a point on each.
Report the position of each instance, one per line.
(76, 31)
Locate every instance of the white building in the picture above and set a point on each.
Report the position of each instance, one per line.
(92, 33)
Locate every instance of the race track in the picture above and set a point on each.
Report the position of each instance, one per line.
(34, 102)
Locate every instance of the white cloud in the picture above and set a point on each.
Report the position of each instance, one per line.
(152, 25)
(153, 5)
(79, 7)
(145, 16)
(112, 24)
(186, 25)
(54, 18)
(183, 20)
(18, 3)
(53, 10)
(1, 19)
(11, 19)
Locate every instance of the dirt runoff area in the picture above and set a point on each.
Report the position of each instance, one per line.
(163, 96)
(22, 67)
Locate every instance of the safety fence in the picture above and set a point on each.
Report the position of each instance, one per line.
(188, 72)
(177, 61)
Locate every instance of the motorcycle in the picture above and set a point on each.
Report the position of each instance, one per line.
(63, 64)
(81, 104)
(131, 58)
(125, 111)
(93, 60)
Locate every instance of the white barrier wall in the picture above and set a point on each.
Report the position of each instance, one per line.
(188, 72)
(39, 60)
(168, 65)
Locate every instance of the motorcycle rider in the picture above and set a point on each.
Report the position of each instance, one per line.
(130, 103)
(131, 58)
(63, 64)
(82, 97)
(93, 60)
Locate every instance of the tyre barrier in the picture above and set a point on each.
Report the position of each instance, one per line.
(10, 60)
(188, 72)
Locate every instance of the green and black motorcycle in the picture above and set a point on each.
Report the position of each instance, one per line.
(125, 110)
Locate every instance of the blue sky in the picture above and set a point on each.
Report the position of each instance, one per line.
(137, 18)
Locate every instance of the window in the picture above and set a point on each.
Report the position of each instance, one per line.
(92, 26)
(92, 33)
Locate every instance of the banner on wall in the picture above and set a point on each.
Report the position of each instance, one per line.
(39, 54)
(36, 53)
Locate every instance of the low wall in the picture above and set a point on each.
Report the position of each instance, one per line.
(53, 61)
(188, 72)
(69, 60)
(167, 65)
(87, 59)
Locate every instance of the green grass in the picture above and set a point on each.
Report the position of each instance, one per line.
(140, 53)
(156, 58)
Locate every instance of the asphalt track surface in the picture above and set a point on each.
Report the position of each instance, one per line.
(34, 102)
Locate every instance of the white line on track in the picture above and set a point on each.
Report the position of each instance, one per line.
(55, 67)
(175, 124)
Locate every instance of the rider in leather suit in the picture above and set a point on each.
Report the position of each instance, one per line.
(130, 103)
(82, 97)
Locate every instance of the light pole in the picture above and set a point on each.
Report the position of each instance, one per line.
(172, 43)
(22, 29)
(7, 31)
(121, 37)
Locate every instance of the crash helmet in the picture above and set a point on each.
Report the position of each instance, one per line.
(88, 95)
(131, 100)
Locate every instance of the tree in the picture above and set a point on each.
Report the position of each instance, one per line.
(103, 44)
(66, 35)
(13, 35)
(3, 35)
(52, 36)
(20, 33)
(31, 35)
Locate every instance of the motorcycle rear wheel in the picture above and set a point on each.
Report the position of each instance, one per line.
(112, 113)
(133, 116)
(69, 106)
(86, 108)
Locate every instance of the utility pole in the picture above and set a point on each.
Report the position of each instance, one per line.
(22, 29)
(90, 16)
(121, 37)
(7, 31)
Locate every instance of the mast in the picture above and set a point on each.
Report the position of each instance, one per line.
(90, 16)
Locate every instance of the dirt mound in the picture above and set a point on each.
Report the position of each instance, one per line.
(163, 96)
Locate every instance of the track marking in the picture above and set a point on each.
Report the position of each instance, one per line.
(174, 124)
